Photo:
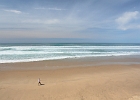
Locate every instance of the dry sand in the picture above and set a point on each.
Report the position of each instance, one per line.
(19, 81)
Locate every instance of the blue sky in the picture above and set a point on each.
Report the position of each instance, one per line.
(85, 20)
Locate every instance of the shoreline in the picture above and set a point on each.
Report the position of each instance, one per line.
(71, 62)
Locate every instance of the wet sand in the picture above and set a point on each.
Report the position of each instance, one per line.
(72, 79)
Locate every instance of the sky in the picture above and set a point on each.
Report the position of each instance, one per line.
(108, 21)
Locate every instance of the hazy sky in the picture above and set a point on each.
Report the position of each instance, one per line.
(94, 20)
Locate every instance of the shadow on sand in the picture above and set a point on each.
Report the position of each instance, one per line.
(42, 84)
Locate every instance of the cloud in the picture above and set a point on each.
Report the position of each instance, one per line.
(13, 11)
(126, 20)
(56, 9)
(38, 21)
(40, 8)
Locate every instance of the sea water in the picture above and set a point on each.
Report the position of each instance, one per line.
(27, 52)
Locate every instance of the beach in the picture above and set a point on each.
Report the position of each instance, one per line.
(70, 50)
(72, 79)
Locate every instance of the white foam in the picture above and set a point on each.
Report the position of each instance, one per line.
(37, 53)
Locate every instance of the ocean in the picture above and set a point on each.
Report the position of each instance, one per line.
(28, 52)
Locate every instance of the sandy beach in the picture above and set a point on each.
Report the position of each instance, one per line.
(69, 49)
(90, 79)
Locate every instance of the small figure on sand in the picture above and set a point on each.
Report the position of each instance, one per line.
(39, 83)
